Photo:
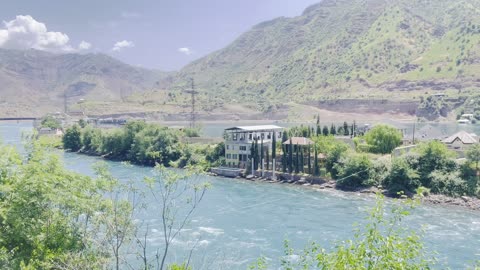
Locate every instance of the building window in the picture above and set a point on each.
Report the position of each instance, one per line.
(250, 136)
(235, 156)
(233, 147)
(228, 147)
(243, 148)
(235, 136)
(229, 156)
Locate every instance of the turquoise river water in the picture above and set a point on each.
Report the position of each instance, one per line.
(238, 221)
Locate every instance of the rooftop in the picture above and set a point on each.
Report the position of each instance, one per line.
(463, 136)
(299, 141)
(255, 128)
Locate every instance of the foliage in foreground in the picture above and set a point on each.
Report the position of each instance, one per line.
(383, 243)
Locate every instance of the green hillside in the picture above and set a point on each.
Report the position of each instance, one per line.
(348, 49)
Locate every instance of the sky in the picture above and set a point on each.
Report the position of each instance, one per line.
(159, 34)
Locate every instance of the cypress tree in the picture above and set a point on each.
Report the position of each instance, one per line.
(309, 160)
(256, 155)
(319, 130)
(285, 159)
(297, 161)
(351, 131)
(315, 164)
(333, 130)
(267, 158)
(302, 165)
(262, 155)
(345, 129)
(340, 130)
(325, 131)
(284, 137)
(290, 157)
(274, 152)
(318, 119)
(252, 157)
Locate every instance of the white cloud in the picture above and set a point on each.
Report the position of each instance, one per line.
(24, 32)
(84, 45)
(122, 45)
(185, 50)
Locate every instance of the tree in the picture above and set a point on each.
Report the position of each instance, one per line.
(333, 130)
(325, 131)
(72, 138)
(175, 192)
(284, 159)
(50, 122)
(49, 214)
(345, 129)
(354, 171)
(383, 139)
(433, 156)
(309, 160)
(473, 155)
(302, 160)
(316, 167)
(290, 157)
(319, 130)
(274, 155)
(262, 154)
(284, 137)
(297, 159)
(402, 177)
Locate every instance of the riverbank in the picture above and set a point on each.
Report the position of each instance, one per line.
(330, 185)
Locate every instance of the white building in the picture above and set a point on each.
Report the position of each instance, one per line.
(238, 142)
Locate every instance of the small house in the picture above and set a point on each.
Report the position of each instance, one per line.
(461, 141)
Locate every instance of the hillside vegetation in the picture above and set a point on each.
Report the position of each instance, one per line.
(349, 49)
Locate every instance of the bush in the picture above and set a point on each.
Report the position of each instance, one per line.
(354, 172)
(450, 184)
(402, 178)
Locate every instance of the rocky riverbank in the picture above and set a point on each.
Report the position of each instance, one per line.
(325, 184)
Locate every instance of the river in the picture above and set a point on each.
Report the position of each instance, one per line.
(239, 221)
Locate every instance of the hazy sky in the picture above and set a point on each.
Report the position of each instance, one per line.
(162, 34)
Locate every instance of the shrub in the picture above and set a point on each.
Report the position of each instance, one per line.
(354, 172)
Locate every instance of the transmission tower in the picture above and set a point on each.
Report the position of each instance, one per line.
(193, 93)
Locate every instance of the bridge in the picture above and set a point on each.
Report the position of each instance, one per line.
(18, 118)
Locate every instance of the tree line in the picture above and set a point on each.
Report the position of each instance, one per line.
(142, 143)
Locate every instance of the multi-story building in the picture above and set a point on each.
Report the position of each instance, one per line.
(238, 142)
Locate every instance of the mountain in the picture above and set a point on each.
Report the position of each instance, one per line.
(400, 50)
(35, 82)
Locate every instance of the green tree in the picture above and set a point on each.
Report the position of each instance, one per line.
(402, 177)
(333, 130)
(50, 122)
(354, 171)
(383, 139)
(325, 131)
(72, 139)
(473, 155)
(309, 160)
(316, 166)
(284, 159)
(175, 192)
(345, 129)
(290, 157)
(297, 159)
(433, 156)
(319, 130)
